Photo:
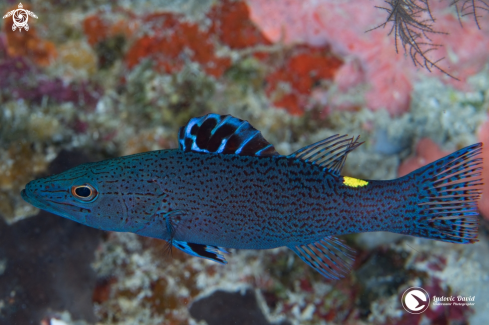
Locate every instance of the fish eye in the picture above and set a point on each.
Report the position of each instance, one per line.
(84, 192)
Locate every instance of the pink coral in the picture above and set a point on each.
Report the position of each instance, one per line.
(427, 151)
(484, 138)
(342, 24)
(349, 75)
(465, 49)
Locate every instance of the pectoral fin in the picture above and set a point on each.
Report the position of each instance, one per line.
(329, 256)
(205, 251)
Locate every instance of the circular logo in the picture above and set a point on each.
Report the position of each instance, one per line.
(415, 300)
(20, 18)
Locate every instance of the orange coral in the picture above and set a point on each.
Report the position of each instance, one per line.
(175, 42)
(301, 73)
(232, 24)
(28, 44)
(101, 293)
(95, 29)
(98, 29)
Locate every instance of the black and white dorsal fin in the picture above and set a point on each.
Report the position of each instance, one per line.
(329, 153)
(329, 256)
(213, 253)
(225, 134)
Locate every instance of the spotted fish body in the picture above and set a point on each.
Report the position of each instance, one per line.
(226, 187)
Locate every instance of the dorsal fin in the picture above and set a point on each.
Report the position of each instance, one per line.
(329, 153)
(213, 133)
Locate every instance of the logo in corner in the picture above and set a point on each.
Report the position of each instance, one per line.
(20, 17)
(415, 300)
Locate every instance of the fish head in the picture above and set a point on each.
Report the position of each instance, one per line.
(72, 194)
(95, 195)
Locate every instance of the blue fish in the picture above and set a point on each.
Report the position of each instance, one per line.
(227, 187)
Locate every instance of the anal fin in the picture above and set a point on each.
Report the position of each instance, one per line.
(213, 253)
(329, 256)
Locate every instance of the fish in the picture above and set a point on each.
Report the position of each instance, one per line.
(226, 187)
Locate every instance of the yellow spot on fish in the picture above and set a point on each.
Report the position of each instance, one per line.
(354, 182)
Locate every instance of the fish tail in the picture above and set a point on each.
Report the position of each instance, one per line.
(445, 197)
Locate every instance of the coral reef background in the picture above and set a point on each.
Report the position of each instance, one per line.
(99, 79)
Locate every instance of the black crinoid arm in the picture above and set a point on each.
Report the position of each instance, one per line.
(411, 22)
(474, 8)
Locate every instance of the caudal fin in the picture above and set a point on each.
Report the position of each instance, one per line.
(447, 194)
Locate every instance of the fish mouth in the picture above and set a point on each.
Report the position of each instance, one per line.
(50, 206)
(32, 200)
